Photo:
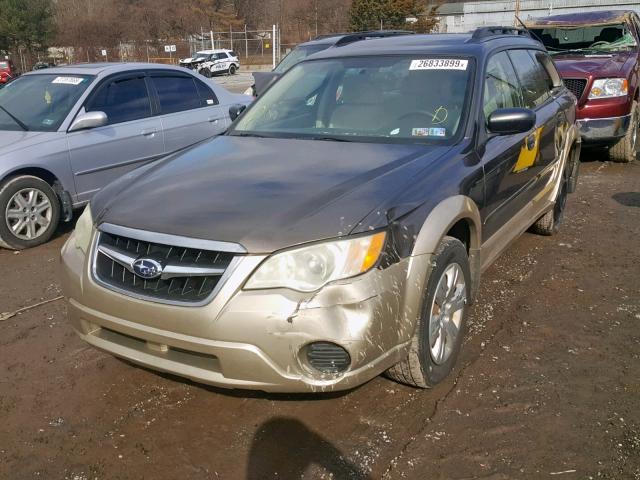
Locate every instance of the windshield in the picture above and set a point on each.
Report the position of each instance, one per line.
(388, 99)
(40, 102)
(297, 55)
(588, 39)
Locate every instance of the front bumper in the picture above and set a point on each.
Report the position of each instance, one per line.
(252, 339)
(603, 129)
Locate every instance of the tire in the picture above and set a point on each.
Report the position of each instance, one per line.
(206, 72)
(31, 193)
(626, 149)
(232, 69)
(423, 367)
(549, 223)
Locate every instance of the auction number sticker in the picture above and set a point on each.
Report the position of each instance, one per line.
(439, 64)
(68, 80)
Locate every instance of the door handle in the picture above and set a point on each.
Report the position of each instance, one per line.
(149, 132)
(213, 119)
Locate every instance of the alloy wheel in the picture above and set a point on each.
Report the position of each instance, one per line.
(28, 213)
(447, 308)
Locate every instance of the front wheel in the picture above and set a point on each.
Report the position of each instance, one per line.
(206, 72)
(436, 342)
(626, 149)
(30, 212)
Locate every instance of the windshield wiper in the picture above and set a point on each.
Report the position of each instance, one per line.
(19, 122)
(329, 139)
(243, 134)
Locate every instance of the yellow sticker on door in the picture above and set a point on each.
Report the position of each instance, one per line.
(529, 152)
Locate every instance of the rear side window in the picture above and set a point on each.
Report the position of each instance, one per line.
(534, 79)
(207, 96)
(122, 100)
(233, 54)
(501, 88)
(176, 94)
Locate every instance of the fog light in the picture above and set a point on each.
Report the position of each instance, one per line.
(328, 357)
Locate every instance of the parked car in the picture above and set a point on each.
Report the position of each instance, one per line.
(262, 80)
(213, 62)
(67, 132)
(42, 65)
(597, 55)
(340, 227)
(7, 71)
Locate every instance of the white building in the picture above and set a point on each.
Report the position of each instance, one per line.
(467, 16)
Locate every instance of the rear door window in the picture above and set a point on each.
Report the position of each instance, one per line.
(534, 79)
(176, 93)
(123, 100)
(206, 94)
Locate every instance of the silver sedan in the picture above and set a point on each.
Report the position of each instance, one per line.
(67, 132)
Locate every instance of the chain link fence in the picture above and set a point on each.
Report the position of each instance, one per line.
(253, 47)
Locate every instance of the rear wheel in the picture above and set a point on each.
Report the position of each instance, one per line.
(436, 342)
(626, 149)
(549, 223)
(30, 212)
(232, 69)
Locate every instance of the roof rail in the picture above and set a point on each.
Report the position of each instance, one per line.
(482, 33)
(357, 36)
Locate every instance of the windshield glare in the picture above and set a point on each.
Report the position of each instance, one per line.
(297, 55)
(364, 99)
(596, 38)
(40, 102)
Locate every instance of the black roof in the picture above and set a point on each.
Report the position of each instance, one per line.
(346, 38)
(474, 43)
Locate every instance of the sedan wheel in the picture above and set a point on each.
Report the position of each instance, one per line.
(30, 210)
(28, 213)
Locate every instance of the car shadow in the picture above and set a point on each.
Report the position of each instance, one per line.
(628, 199)
(285, 448)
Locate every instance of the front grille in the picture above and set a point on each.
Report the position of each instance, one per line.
(182, 286)
(576, 86)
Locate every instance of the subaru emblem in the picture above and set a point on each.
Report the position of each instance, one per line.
(147, 268)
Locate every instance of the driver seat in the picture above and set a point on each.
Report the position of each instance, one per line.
(361, 106)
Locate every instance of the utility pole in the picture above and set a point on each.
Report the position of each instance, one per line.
(273, 45)
(231, 36)
(246, 42)
(213, 45)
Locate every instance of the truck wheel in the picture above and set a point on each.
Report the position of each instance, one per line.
(626, 149)
(206, 72)
(549, 223)
(30, 212)
(232, 69)
(436, 342)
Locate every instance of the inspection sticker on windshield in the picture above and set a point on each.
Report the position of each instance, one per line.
(439, 64)
(429, 132)
(68, 80)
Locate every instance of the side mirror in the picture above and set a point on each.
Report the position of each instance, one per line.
(236, 110)
(87, 120)
(507, 121)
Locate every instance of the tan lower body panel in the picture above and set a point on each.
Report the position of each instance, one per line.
(254, 339)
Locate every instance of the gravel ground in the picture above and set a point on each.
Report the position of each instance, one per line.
(548, 384)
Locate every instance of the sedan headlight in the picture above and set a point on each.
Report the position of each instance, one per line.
(307, 269)
(84, 229)
(609, 87)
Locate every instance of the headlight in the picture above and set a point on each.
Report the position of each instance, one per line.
(310, 268)
(84, 229)
(609, 87)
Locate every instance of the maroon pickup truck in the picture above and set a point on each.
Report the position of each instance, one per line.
(597, 55)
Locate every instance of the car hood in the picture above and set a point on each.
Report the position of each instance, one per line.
(11, 141)
(603, 65)
(265, 194)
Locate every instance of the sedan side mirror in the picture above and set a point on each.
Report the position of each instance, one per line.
(236, 110)
(87, 120)
(507, 121)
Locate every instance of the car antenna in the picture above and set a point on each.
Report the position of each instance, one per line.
(527, 29)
